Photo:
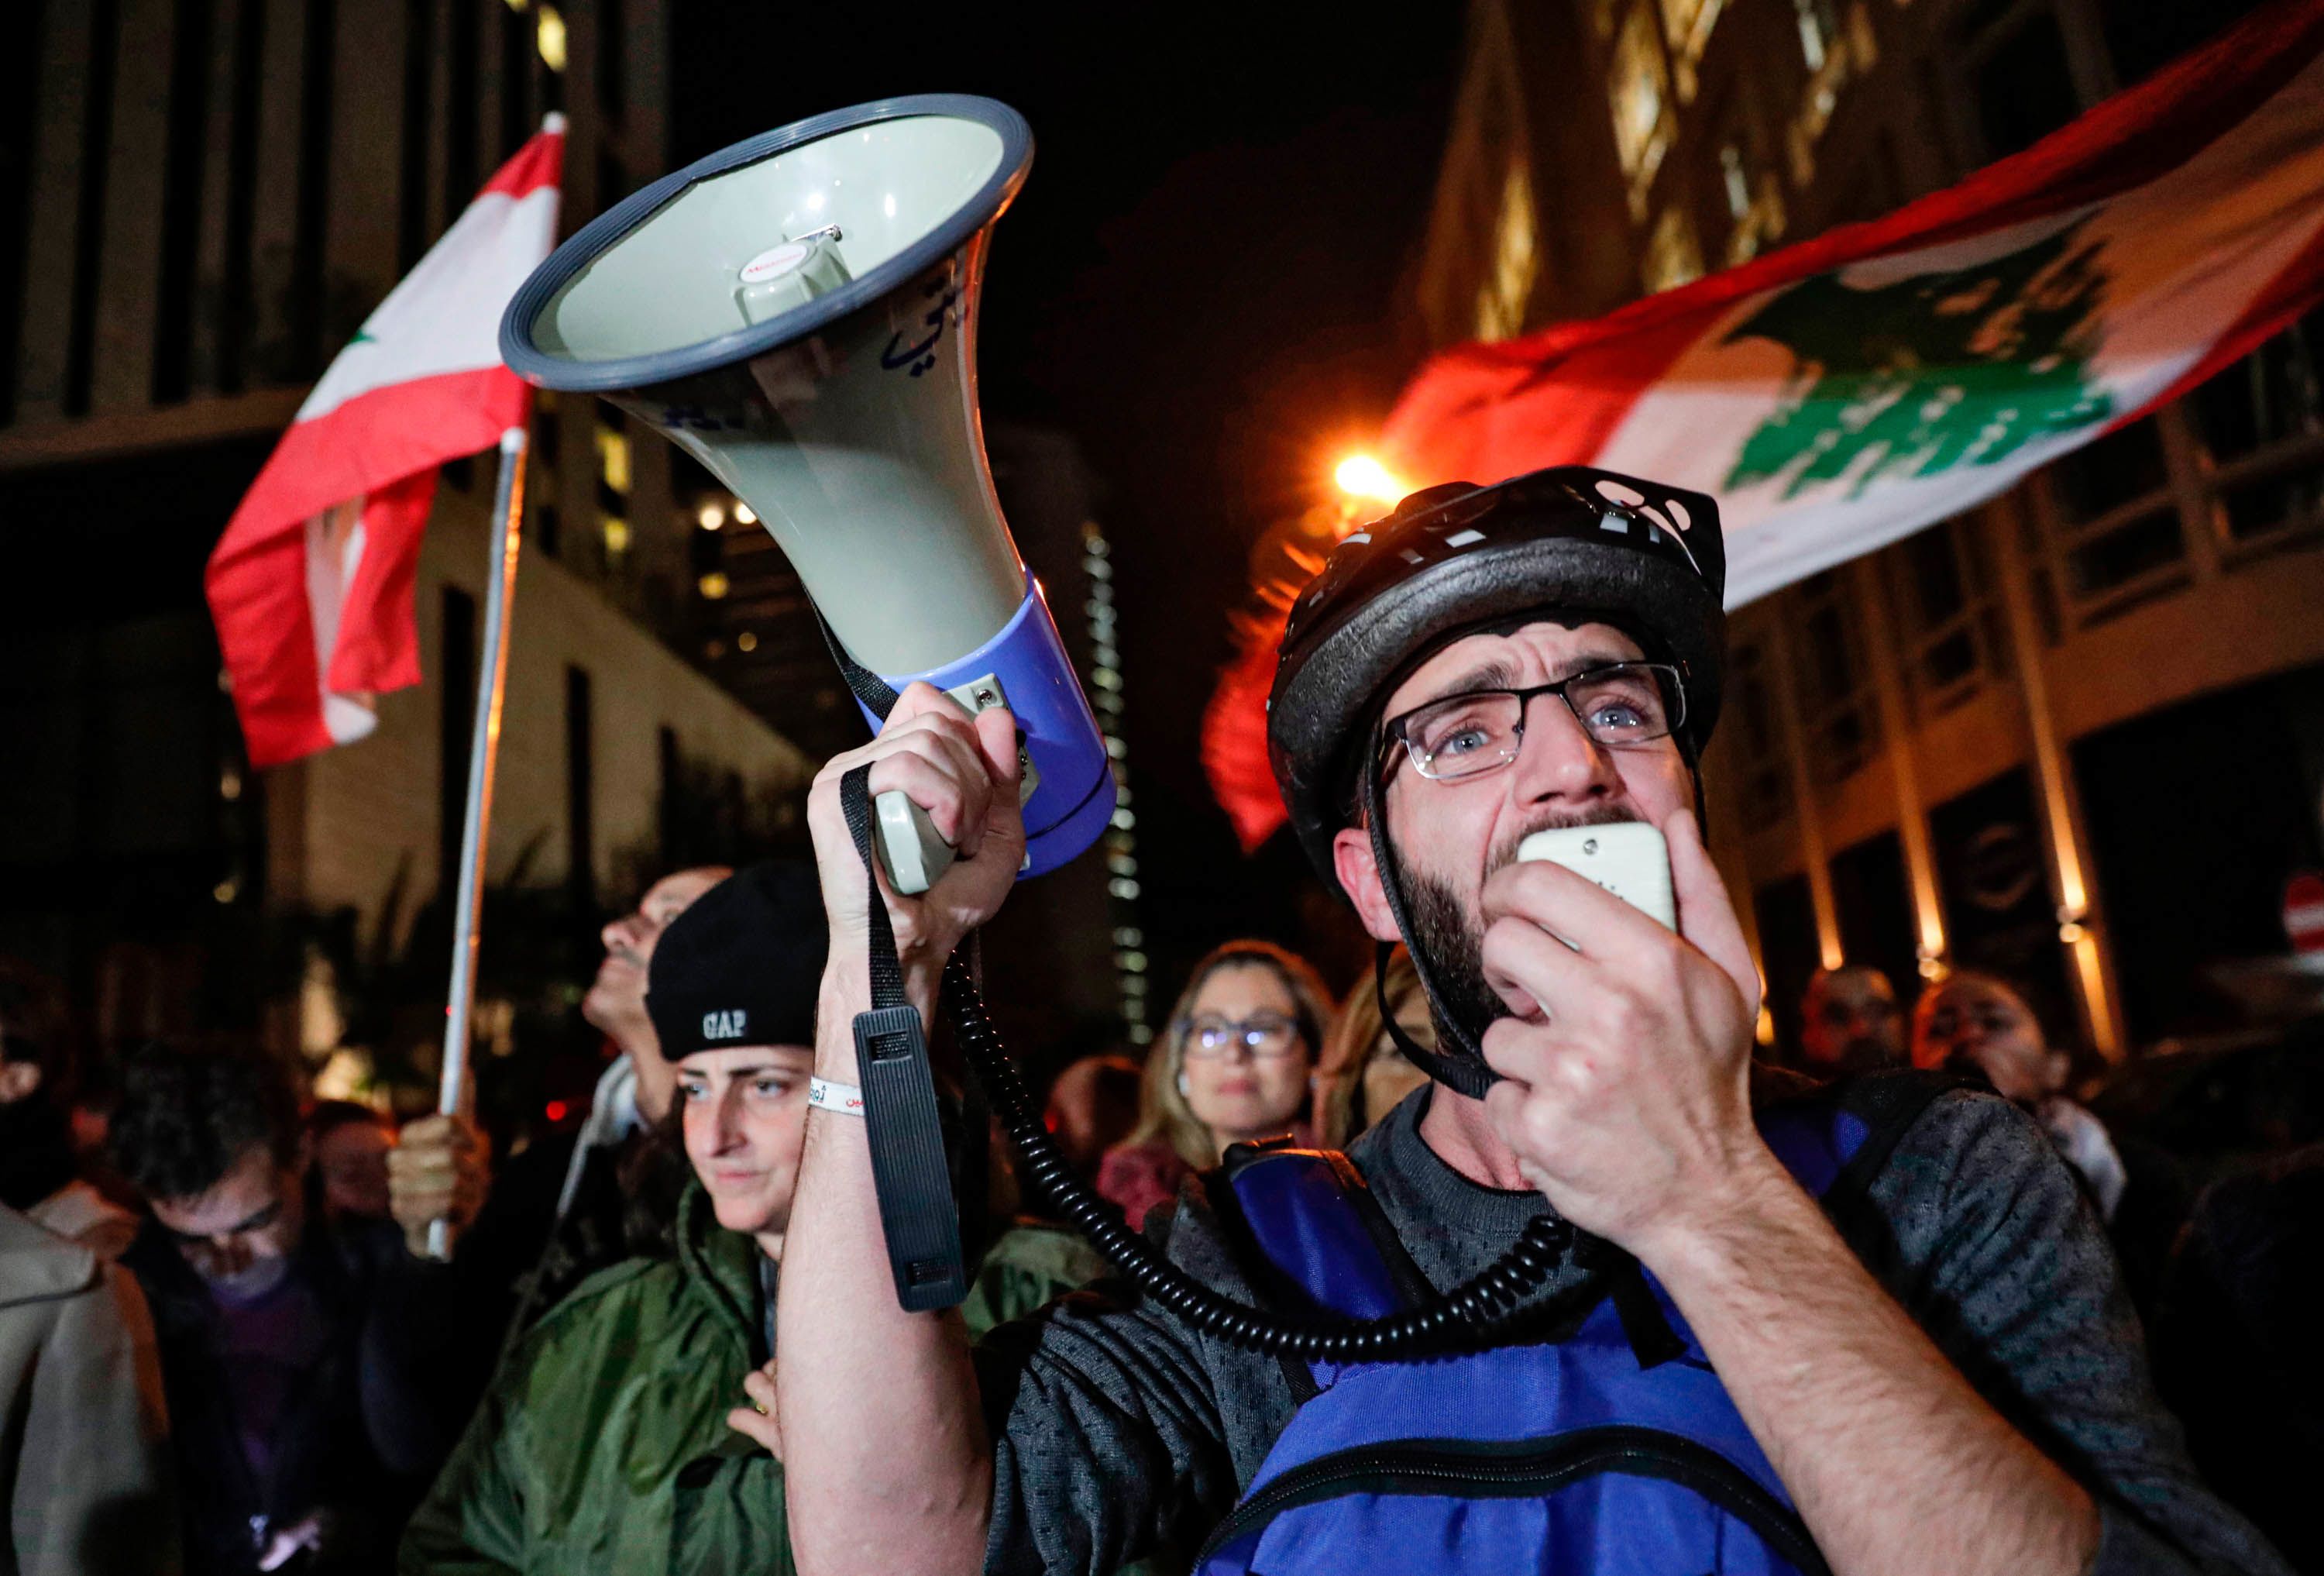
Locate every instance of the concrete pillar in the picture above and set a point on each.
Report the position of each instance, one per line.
(1807, 811)
(2073, 886)
(1896, 724)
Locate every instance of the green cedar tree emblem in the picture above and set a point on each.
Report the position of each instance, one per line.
(1963, 366)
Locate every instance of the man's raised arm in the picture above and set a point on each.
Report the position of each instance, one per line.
(886, 1461)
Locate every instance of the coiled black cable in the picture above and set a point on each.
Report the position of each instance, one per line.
(1464, 1316)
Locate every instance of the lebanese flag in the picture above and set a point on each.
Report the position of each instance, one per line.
(1847, 392)
(310, 586)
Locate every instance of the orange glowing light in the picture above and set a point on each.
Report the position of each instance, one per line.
(1360, 475)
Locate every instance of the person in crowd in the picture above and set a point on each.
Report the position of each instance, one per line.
(303, 1361)
(1093, 1106)
(555, 1214)
(84, 1440)
(1372, 1074)
(351, 1143)
(41, 1174)
(1979, 1022)
(622, 1436)
(1481, 664)
(1238, 1061)
(1849, 1022)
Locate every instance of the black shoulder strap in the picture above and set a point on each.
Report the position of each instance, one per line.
(1887, 1104)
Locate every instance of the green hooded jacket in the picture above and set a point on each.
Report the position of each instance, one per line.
(603, 1446)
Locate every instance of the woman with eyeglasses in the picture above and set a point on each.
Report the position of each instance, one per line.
(1238, 1063)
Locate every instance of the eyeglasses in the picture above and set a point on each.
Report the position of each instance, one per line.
(1263, 1038)
(1619, 705)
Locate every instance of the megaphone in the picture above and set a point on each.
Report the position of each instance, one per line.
(798, 313)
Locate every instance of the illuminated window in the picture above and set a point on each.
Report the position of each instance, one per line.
(1834, 54)
(613, 459)
(1674, 256)
(1501, 304)
(551, 35)
(1819, 30)
(1639, 93)
(617, 535)
(1755, 201)
(1687, 25)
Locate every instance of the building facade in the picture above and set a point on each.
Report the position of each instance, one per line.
(2075, 736)
(201, 201)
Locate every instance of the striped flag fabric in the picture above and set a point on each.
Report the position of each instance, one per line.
(310, 586)
(1844, 392)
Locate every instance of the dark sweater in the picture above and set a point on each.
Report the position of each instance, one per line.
(1118, 1431)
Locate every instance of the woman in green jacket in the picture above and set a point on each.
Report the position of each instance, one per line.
(619, 1438)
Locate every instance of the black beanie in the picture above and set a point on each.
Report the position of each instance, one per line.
(740, 966)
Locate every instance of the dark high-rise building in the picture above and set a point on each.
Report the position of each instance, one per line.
(201, 201)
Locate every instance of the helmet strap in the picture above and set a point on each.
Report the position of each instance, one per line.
(1464, 1072)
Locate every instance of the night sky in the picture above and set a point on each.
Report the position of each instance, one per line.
(1203, 281)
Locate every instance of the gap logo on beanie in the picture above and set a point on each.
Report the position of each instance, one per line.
(740, 966)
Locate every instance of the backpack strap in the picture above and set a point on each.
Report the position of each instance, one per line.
(1308, 1230)
(1315, 1224)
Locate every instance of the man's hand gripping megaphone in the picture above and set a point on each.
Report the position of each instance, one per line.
(963, 771)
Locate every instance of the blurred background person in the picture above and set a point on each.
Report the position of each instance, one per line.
(558, 1213)
(351, 1143)
(1364, 1075)
(40, 1174)
(1849, 1022)
(1238, 1061)
(625, 1434)
(1979, 1023)
(303, 1361)
(1093, 1106)
(84, 1444)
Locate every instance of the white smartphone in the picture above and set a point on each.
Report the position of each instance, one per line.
(1628, 858)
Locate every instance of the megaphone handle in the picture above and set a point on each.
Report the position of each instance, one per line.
(911, 851)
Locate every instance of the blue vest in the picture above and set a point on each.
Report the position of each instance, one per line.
(1570, 1455)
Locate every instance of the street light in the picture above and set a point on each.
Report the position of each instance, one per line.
(1360, 476)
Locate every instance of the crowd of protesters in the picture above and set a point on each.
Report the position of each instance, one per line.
(225, 1347)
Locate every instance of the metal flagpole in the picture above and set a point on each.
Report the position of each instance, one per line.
(483, 753)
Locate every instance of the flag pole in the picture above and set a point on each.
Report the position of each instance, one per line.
(484, 754)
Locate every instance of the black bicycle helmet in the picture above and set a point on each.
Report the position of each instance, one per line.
(1457, 559)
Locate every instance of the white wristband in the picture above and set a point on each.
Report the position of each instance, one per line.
(843, 1098)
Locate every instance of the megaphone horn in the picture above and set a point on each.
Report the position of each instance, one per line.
(798, 313)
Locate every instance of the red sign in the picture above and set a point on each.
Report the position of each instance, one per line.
(2303, 912)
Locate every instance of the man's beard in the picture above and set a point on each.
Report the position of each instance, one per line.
(1448, 933)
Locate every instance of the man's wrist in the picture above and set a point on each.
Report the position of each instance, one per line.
(1730, 1225)
(846, 991)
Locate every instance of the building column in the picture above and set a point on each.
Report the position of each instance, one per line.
(1807, 812)
(1730, 844)
(2081, 926)
(1896, 723)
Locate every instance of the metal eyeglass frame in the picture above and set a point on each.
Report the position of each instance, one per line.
(1189, 1034)
(1666, 675)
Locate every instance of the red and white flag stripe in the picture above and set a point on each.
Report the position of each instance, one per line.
(310, 586)
(1847, 392)
(1844, 392)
